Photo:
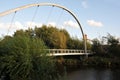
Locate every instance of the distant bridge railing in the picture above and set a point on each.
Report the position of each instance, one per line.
(60, 52)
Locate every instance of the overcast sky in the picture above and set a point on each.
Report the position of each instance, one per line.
(97, 17)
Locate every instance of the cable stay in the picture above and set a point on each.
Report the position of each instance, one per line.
(33, 32)
(11, 23)
(59, 18)
(34, 15)
(48, 17)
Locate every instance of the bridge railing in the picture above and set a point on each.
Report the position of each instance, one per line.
(67, 51)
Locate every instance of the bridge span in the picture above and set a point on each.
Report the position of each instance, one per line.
(65, 52)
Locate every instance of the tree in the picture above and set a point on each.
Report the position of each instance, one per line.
(111, 40)
(96, 46)
(74, 43)
(114, 46)
(111, 45)
(24, 58)
(21, 32)
(66, 33)
(53, 37)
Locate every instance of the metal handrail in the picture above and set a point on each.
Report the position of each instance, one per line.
(67, 51)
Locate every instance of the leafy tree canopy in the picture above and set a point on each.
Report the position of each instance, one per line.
(24, 58)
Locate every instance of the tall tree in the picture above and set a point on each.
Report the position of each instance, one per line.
(53, 37)
(24, 58)
(74, 43)
(96, 46)
(114, 46)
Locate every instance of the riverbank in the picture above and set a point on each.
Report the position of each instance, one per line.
(75, 68)
(100, 62)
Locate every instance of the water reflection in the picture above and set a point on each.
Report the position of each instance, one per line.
(94, 74)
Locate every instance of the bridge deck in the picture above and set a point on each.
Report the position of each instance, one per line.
(62, 52)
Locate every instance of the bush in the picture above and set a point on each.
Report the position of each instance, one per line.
(24, 58)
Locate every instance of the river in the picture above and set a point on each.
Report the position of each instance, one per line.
(94, 74)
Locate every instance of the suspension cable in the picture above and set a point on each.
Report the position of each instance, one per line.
(50, 12)
(34, 16)
(59, 18)
(11, 22)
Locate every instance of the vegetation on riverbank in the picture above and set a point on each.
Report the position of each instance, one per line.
(106, 54)
(22, 56)
(92, 62)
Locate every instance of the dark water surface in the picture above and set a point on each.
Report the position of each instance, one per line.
(94, 74)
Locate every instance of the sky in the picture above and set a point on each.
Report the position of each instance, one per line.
(97, 17)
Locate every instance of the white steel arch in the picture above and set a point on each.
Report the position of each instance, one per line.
(47, 4)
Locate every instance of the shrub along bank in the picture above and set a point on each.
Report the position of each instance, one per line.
(90, 62)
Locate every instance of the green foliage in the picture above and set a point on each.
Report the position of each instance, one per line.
(66, 33)
(24, 58)
(97, 47)
(73, 43)
(89, 46)
(24, 32)
(19, 32)
(112, 46)
(111, 40)
(53, 37)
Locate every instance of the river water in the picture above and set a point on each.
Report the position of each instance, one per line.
(94, 74)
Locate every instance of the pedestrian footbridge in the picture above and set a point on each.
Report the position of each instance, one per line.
(65, 52)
